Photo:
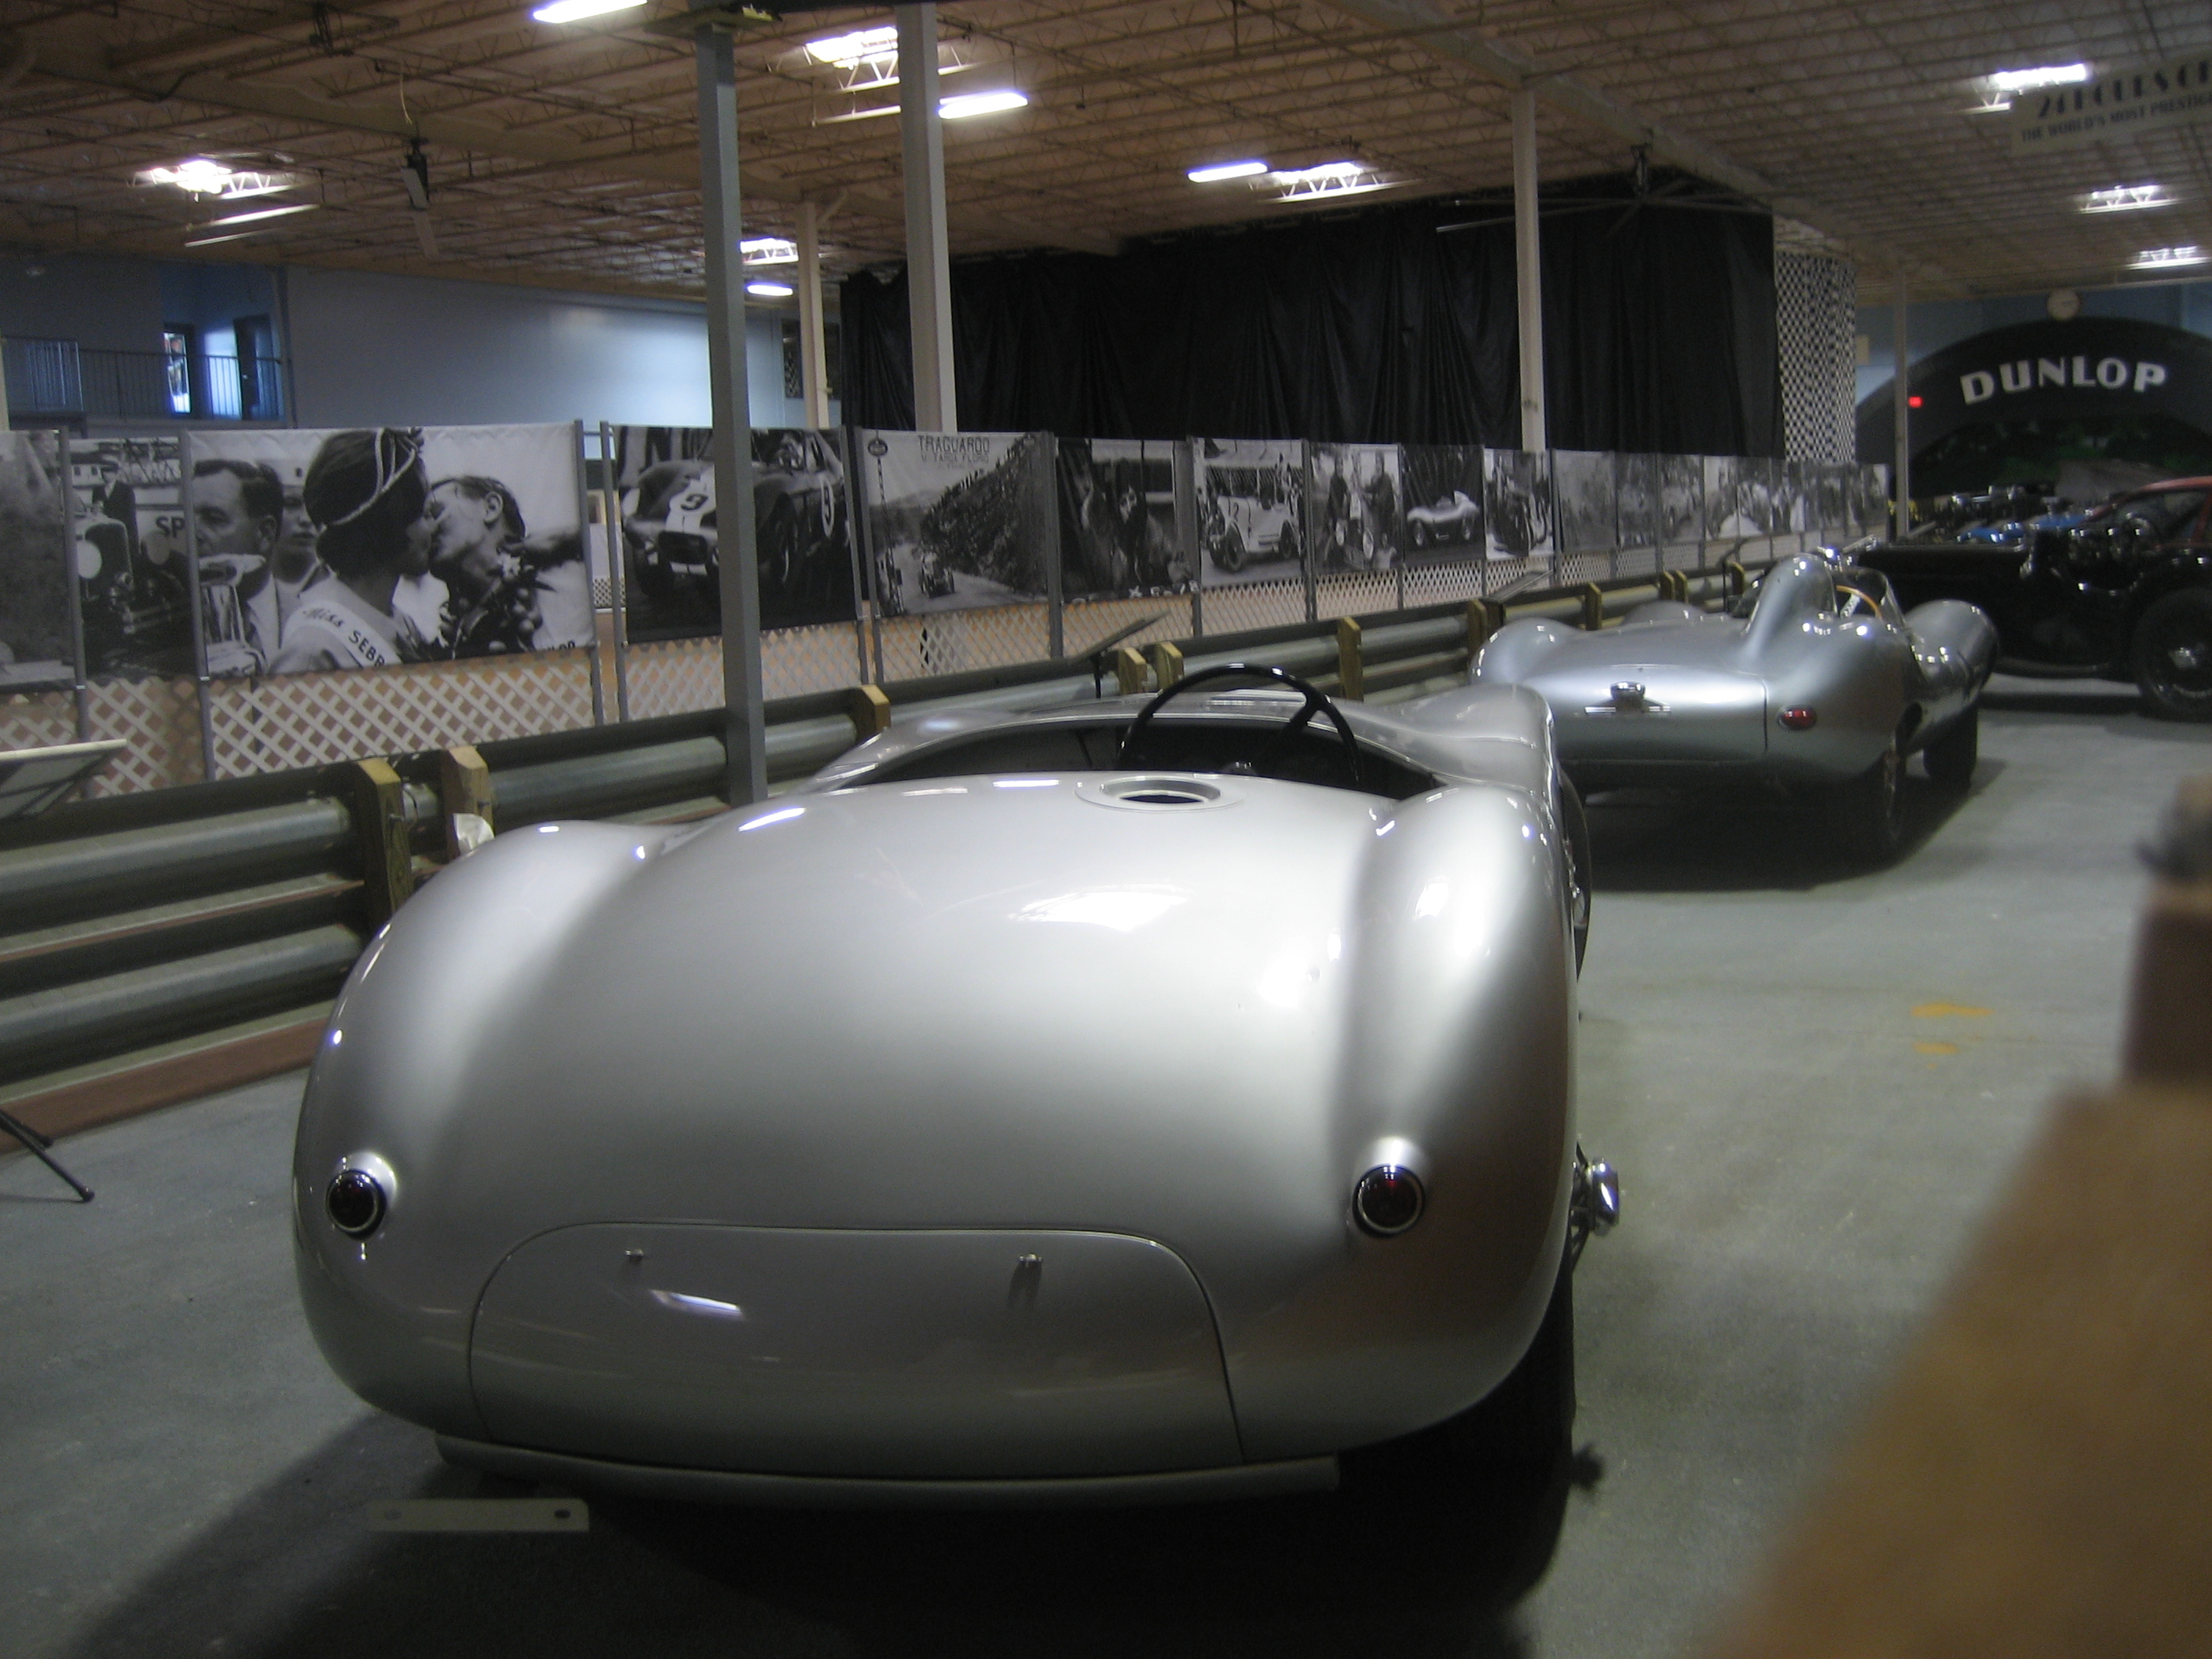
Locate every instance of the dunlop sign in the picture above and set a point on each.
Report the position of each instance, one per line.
(2116, 105)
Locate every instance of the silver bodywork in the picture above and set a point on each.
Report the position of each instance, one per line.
(952, 1124)
(1676, 694)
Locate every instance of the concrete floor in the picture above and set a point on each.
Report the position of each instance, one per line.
(1814, 1081)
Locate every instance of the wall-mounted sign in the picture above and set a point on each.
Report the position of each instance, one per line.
(2117, 104)
(2093, 368)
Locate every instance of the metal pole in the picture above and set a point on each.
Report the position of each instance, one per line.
(203, 690)
(617, 557)
(1528, 271)
(584, 537)
(928, 269)
(1900, 392)
(744, 734)
(813, 368)
(73, 586)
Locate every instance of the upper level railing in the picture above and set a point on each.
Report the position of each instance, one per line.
(61, 381)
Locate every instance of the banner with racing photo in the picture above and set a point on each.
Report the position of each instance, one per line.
(1250, 498)
(1442, 494)
(958, 520)
(1355, 518)
(664, 480)
(38, 646)
(368, 548)
(1585, 489)
(1518, 509)
(1118, 531)
(134, 586)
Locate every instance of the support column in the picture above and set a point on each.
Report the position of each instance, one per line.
(745, 736)
(928, 269)
(1901, 390)
(1528, 269)
(813, 370)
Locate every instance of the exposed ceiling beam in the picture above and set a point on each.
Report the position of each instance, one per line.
(70, 60)
(1420, 22)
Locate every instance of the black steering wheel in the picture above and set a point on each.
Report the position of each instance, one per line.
(1316, 702)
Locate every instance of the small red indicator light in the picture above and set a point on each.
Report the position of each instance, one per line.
(1913, 403)
(1800, 720)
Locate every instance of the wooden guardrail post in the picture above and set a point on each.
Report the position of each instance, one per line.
(869, 710)
(1131, 673)
(1592, 607)
(1484, 618)
(1351, 664)
(464, 792)
(1167, 663)
(1736, 576)
(379, 825)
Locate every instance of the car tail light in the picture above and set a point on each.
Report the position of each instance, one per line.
(1800, 719)
(354, 1203)
(1387, 1200)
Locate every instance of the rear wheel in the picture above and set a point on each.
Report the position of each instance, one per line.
(1951, 758)
(1529, 1417)
(1870, 810)
(2172, 655)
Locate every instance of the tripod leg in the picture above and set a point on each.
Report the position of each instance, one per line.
(37, 1144)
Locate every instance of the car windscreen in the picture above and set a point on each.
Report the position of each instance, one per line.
(1171, 745)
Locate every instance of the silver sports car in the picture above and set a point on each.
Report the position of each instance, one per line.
(1131, 1101)
(1812, 678)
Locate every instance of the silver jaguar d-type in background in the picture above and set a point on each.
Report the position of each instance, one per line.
(1813, 680)
(1130, 1101)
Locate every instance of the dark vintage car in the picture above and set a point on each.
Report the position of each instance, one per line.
(2124, 593)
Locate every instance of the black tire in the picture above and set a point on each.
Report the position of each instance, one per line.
(2171, 652)
(1869, 810)
(1229, 551)
(1951, 758)
(1417, 532)
(1529, 1417)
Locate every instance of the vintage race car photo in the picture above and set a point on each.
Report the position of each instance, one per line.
(672, 534)
(2123, 593)
(1130, 1101)
(1813, 678)
(1455, 518)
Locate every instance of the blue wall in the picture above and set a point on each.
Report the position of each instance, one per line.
(370, 350)
(1936, 323)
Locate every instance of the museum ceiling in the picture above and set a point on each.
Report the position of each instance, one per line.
(565, 154)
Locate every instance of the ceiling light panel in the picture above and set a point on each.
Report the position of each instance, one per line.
(2170, 259)
(574, 11)
(2125, 198)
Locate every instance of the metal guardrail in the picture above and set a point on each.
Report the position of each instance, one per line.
(137, 920)
(59, 380)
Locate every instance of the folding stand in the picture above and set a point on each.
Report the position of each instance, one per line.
(38, 1145)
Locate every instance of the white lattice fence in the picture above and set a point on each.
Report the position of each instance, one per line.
(1442, 584)
(674, 676)
(36, 720)
(798, 660)
(311, 720)
(1089, 620)
(955, 642)
(159, 719)
(1256, 604)
(1358, 593)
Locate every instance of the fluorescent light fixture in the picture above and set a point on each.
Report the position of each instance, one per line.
(198, 175)
(768, 291)
(227, 236)
(573, 11)
(2126, 199)
(858, 47)
(2169, 258)
(768, 251)
(2028, 80)
(1325, 172)
(981, 103)
(262, 213)
(1214, 175)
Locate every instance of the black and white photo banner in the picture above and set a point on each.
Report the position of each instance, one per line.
(1120, 534)
(1249, 496)
(37, 646)
(960, 521)
(134, 580)
(373, 547)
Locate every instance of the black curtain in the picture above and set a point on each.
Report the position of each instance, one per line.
(1365, 327)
